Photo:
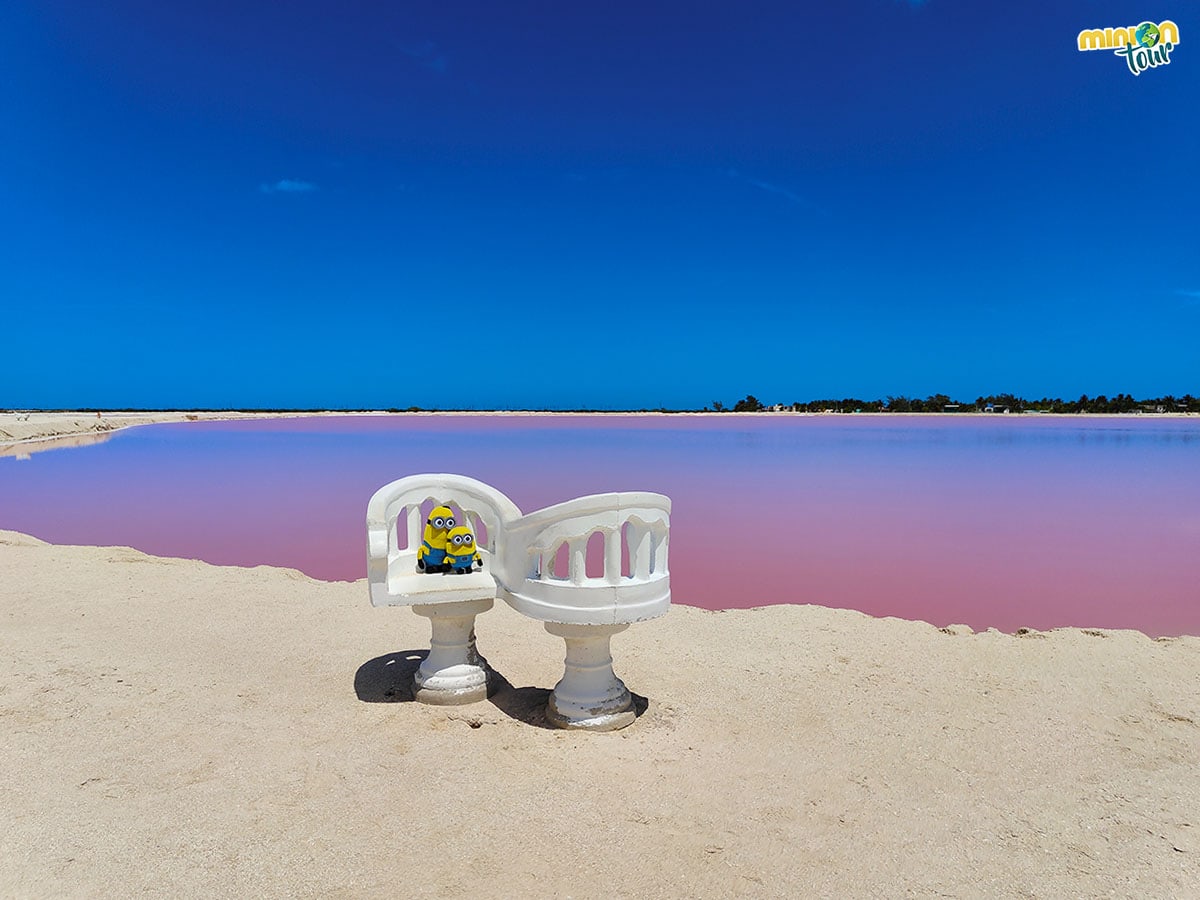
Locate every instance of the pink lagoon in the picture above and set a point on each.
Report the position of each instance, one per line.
(1007, 522)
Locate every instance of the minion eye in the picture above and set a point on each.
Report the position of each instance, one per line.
(449, 522)
(439, 522)
(458, 539)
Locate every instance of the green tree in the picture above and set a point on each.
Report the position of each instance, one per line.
(749, 404)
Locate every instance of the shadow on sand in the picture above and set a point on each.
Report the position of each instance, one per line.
(528, 704)
(389, 679)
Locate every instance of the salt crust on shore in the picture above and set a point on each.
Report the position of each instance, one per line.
(173, 728)
(25, 433)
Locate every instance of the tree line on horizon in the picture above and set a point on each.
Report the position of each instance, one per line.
(943, 403)
(935, 403)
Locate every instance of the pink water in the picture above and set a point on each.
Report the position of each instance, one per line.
(1008, 522)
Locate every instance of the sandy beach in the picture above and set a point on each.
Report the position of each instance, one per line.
(37, 426)
(24, 433)
(172, 728)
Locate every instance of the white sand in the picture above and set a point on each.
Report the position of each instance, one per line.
(41, 426)
(170, 728)
(23, 433)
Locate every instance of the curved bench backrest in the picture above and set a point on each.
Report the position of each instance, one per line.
(398, 505)
(527, 576)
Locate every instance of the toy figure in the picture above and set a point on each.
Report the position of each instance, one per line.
(461, 553)
(431, 555)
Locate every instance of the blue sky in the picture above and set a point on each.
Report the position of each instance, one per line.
(618, 205)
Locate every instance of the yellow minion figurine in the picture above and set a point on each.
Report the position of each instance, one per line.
(461, 552)
(431, 555)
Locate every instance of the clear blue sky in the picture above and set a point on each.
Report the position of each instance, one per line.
(608, 205)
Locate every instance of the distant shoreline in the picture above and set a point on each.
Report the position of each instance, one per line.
(30, 431)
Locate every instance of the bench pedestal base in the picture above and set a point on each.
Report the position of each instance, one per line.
(454, 673)
(590, 696)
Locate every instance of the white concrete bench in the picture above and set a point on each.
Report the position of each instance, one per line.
(587, 611)
(519, 555)
(454, 672)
